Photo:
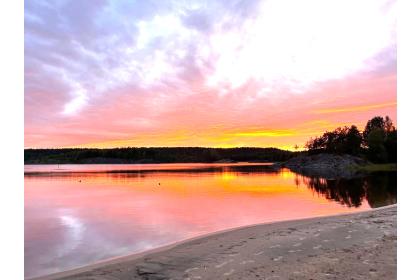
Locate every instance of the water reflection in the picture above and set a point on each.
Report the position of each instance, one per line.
(378, 189)
(81, 214)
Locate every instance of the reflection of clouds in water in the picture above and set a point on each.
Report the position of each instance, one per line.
(111, 239)
(74, 240)
(74, 234)
(61, 239)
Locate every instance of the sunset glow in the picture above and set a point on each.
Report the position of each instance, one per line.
(205, 73)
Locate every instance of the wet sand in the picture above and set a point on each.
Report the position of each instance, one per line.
(349, 246)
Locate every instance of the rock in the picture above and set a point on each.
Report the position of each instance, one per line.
(329, 166)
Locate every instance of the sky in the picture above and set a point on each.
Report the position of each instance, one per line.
(268, 73)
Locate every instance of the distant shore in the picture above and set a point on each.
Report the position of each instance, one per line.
(155, 155)
(348, 246)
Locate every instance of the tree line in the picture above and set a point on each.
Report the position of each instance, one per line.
(154, 155)
(377, 142)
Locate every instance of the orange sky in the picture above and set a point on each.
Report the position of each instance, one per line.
(205, 75)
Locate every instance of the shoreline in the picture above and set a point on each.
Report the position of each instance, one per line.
(133, 261)
(179, 167)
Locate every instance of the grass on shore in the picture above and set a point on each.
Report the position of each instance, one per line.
(374, 167)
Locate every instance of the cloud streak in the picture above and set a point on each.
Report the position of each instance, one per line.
(357, 108)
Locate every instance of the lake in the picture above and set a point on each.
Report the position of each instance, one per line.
(79, 214)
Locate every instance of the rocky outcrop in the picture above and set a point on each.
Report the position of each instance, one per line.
(329, 166)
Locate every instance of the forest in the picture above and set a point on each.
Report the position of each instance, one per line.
(154, 155)
(377, 142)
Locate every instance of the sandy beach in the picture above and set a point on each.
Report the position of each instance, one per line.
(350, 246)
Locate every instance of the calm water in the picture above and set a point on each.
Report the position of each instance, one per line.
(79, 214)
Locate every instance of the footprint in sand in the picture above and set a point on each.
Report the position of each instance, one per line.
(223, 264)
(229, 272)
(248, 261)
(294, 251)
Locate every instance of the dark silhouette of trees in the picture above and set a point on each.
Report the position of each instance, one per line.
(378, 142)
(385, 125)
(380, 139)
(391, 146)
(376, 145)
(352, 140)
(154, 155)
(346, 140)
